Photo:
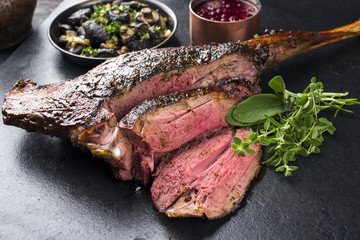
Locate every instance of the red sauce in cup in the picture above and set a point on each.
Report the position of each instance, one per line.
(225, 10)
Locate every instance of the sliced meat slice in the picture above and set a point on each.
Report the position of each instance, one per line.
(165, 128)
(205, 180)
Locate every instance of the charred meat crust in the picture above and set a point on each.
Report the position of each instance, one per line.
(145, 64)
(66, 105)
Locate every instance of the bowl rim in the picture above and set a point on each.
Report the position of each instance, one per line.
(158, 4)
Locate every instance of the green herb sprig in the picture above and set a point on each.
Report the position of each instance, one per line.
(145, 36)
(287, 122)
(113, 27)
(101, 10)
(124, 8)
(89, 51)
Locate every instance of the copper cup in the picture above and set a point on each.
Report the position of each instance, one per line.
(205, 31)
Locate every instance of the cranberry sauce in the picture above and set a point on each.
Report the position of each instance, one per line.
(225, 10)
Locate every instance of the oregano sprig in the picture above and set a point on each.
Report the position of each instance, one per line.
(286, 122)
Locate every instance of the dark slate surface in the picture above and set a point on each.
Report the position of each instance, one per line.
(52, 190)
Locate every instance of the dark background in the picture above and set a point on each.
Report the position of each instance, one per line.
(52, 190)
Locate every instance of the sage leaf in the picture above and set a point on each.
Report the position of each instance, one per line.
(256, 108)
(230, 120)
(278, 85)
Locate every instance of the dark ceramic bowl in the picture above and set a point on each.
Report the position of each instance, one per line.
(54, 32)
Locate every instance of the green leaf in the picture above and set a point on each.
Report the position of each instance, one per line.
(276, 123)
(234, 146)
(242, 153)
(237, 140)
(272, 149)
(244, 145)
(250, 151)
(324, 121)
(331, 130)
(256, 108)
(264, 142)
(273, 140)
(288, 156)
(281, 168)
(315, 142)
(292, 168)
(278, 85)
(308, 120)
(253, 136)
(267, 124)
(288, 173)
(315, 133)
(301, 100)
(262, 131)
(268, 160)
(315, 149)
(230, 120)
(303, 152)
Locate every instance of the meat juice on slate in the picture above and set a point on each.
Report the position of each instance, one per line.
(225, 10)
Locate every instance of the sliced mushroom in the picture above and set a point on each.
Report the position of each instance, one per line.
(95, 33)
(79, 16)
(109, 45)
(63, 41)
(72, 39)
(65, 27)
(77, 50)
(116, 15)
(142, 26)
(129, 35)
(147, 15)
(155, 35)
(139, 44)
(81, 32)
(106, 52)
(132, 24)
(124, 49)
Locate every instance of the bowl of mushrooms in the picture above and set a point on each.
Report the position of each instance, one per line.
(94, 31)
